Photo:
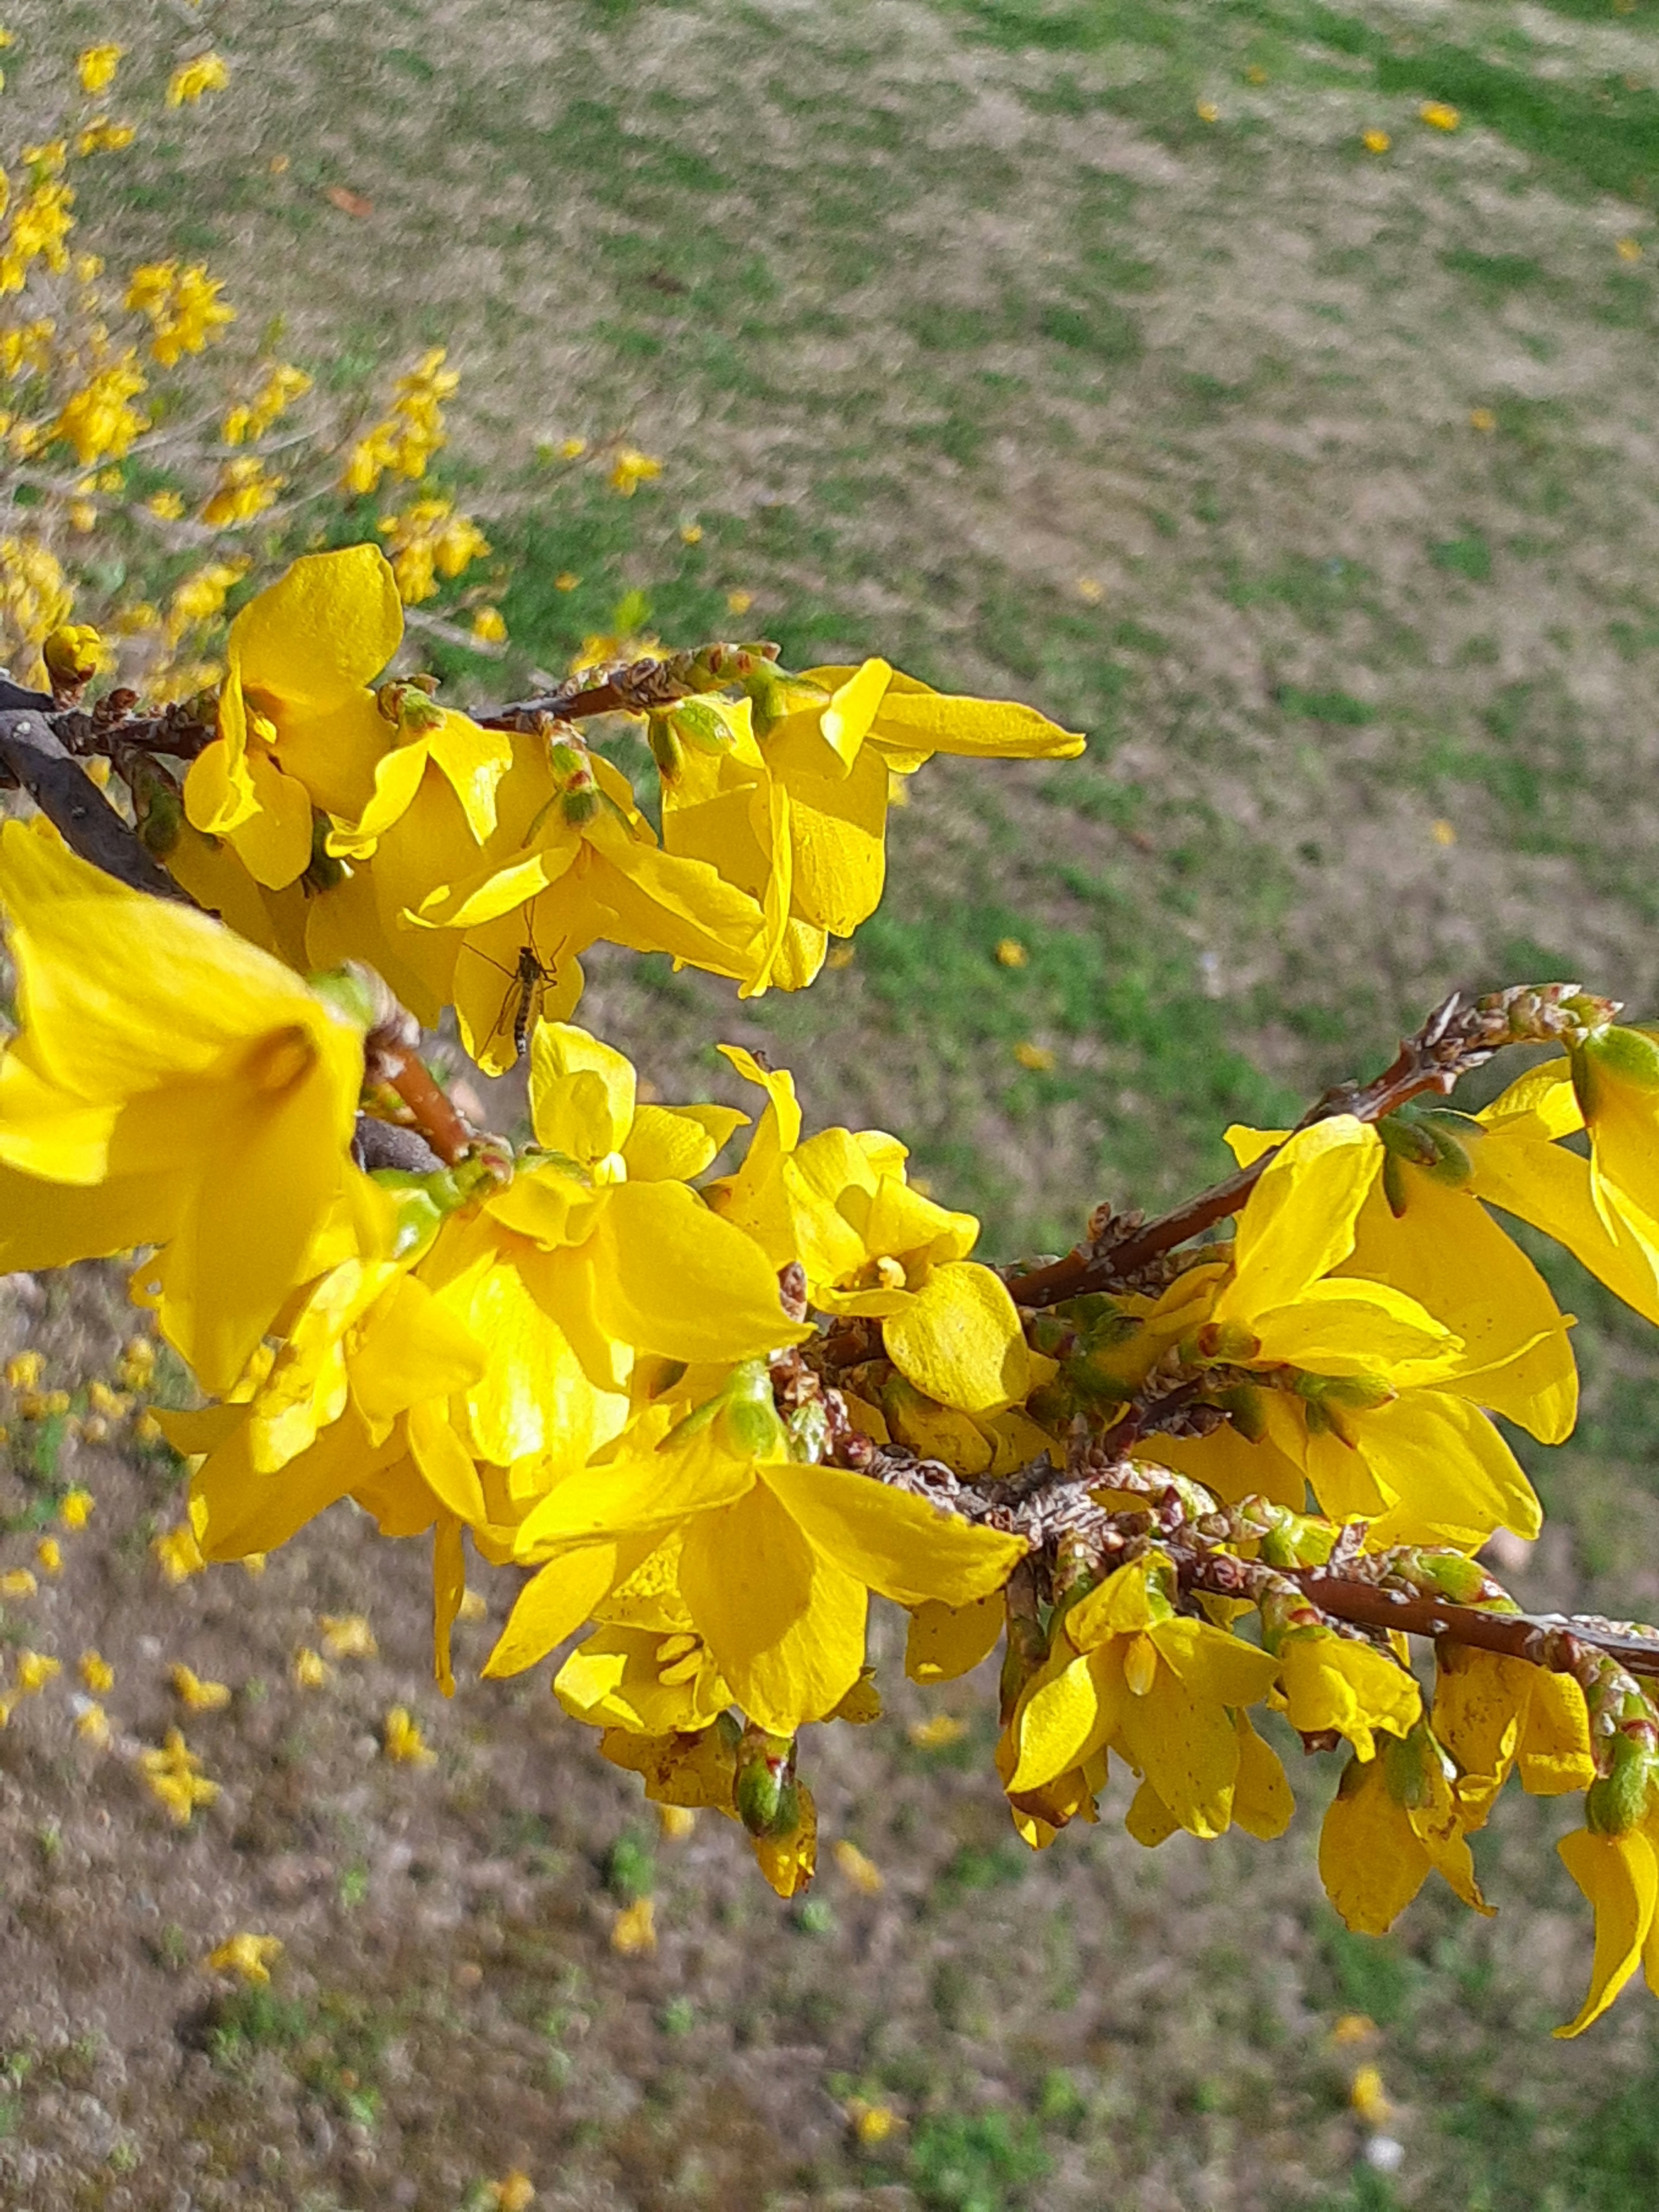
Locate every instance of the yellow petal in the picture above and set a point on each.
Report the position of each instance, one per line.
(1540, 1183)
(960, 1340)
(1371, 1860)
(1071, 1707)
(837, 831)
(324, 629)
(581, 1092)
(1555, 1754)
(1298, 1222)
(945, 1641)
(1444, 1250)
(275, 842)
(1620, 1877)
(672, 1144)
(1186, 1747)
(671, 1277)
(784, 1624)
(897, 1544)
(1331, 1681)
(554, 1603)
(1214, 1664)
(1450, 1474)
(1262, 1803)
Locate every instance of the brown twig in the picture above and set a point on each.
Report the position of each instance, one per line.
(434, 1116)
(1459, 1036)
(32, 755)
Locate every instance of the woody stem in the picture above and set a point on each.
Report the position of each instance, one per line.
(435, 1118)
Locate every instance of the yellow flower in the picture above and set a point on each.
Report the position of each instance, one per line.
(18, 1581)
(633, 1930)
(738, 603)
(566, 580)
(429, 540)
(937, 1732)
(1128, 1672)
(24, 1371)
(171, 1086)
(1375, 141)
(1328, 1681)
(173, 1774)
(348, 1635)
(98, 420)
(402, 1741)
(251, 1957)
(630, 469)
(96, 1673)
(244, 489)
(690, 533)
(872, 2123)
(196, 1695)
(183, 305)
(178, 1554)
(1037, 1058)
(639, 1679)
(1366, 2097)
(863, 1873)
(1394, 1818)
(489, 626)
(516, 2192)
(1207, 111)
(1619, 1876)
(34, 1671)
(191, 79)
(285, 384)
(1438, 115)
(1629, 249)
(49, 1554)
(310, 1670)
(96, 66)
(1011, 953)
(92, 1724)
(1495, 1715)
(102, 137)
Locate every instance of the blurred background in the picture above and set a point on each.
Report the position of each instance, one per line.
(1265, 388)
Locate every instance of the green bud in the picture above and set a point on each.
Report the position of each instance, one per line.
(1619, 1798)
(348, 991)
(161, 812)
(766, 1797)
(1410, 1765)
(1360, 1393)
(808, 1430)
(1461, 1579)
(666, 748)
(775, 693)
(1047, 1333)
(1293, 1540)
(579, 807)
(1220, 1344)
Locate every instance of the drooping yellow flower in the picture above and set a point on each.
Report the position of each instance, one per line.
(298, 724)
(776, 1559)
(1619, 1876)
(169, 1086)
(1128, 1673)
(787, 797)
(96, 1673)
(1332, 1682)
(870, 1244)
(34, 1670)
(573, 860)
(630, 469)
(98, 419)
(1496, 1714)
(348, 1635)
(1393, 1818)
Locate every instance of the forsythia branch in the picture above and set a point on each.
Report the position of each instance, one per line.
(34, 756)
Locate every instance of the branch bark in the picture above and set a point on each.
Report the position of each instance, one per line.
(34, 756)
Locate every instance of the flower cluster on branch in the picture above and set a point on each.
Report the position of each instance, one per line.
(707, 1381)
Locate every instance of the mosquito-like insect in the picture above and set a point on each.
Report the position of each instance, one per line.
(527, 981)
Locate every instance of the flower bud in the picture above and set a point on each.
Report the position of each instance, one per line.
(1618, 1056)
(1619, 1798)
(72, 653)
(765, 1795)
